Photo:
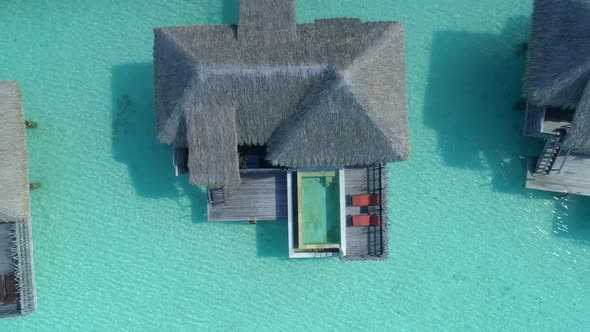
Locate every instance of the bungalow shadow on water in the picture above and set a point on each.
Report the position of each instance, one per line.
(480, 128)
(134, 142)
(474, 82)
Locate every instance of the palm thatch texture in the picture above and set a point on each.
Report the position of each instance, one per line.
(321, 94)
(14, 193)
(15, 218)
(558, 70)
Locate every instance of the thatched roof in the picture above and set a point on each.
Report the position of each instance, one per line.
(14, 181)
(328, 93)
(558, 67)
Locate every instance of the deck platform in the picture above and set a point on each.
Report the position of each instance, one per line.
(545, 123)
(262, 195)
(572, 178)
(366, 243)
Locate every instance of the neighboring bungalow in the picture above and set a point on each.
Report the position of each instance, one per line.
(288, 122)
(17, 289)
(557, 87)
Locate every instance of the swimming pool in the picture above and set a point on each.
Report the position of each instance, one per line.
(318, 210)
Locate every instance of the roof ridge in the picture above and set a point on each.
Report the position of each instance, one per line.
(302, 114)
(178, 45)
(387, 38)
(365, 108)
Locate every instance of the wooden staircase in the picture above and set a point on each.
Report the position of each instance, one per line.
(550, 153)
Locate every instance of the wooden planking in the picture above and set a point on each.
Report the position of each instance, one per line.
(556, 119)
(553, 127)
(357, 238)
(262, 195)
(357, 242)
(574, 177)
(544, 122)
(355, 183)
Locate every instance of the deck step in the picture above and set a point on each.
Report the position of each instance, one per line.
(216, 196)
(547, 160)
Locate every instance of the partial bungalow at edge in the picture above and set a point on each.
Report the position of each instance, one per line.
(286, 121)
(17, 288)
(557, 87)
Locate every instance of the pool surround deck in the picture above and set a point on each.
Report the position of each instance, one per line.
(265, 195)
(366, 242)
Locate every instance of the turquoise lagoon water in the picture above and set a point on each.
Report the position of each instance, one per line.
(121, 244)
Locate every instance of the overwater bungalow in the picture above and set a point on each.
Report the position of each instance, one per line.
(17, 289)
(557, 87)
(288, 122)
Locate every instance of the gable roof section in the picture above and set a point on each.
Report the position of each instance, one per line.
(330, 128)
(215, 161)
(558, 65)
(173, 70)
(14, 180)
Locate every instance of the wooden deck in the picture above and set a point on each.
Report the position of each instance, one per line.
(573, 178)
(546, 122)
(365, 243)
(551, 127)
(262, 195)
(556, 120)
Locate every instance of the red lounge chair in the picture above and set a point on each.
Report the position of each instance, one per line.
(366, 220)
(365, 200)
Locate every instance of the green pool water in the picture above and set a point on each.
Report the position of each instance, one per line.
(122, 245)
(320, 208)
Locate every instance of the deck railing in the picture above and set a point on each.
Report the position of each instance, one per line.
(375, 233)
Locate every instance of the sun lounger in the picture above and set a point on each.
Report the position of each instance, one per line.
(365, 200)
(366, 220)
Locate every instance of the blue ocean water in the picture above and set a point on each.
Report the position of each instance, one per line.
(121, 244)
